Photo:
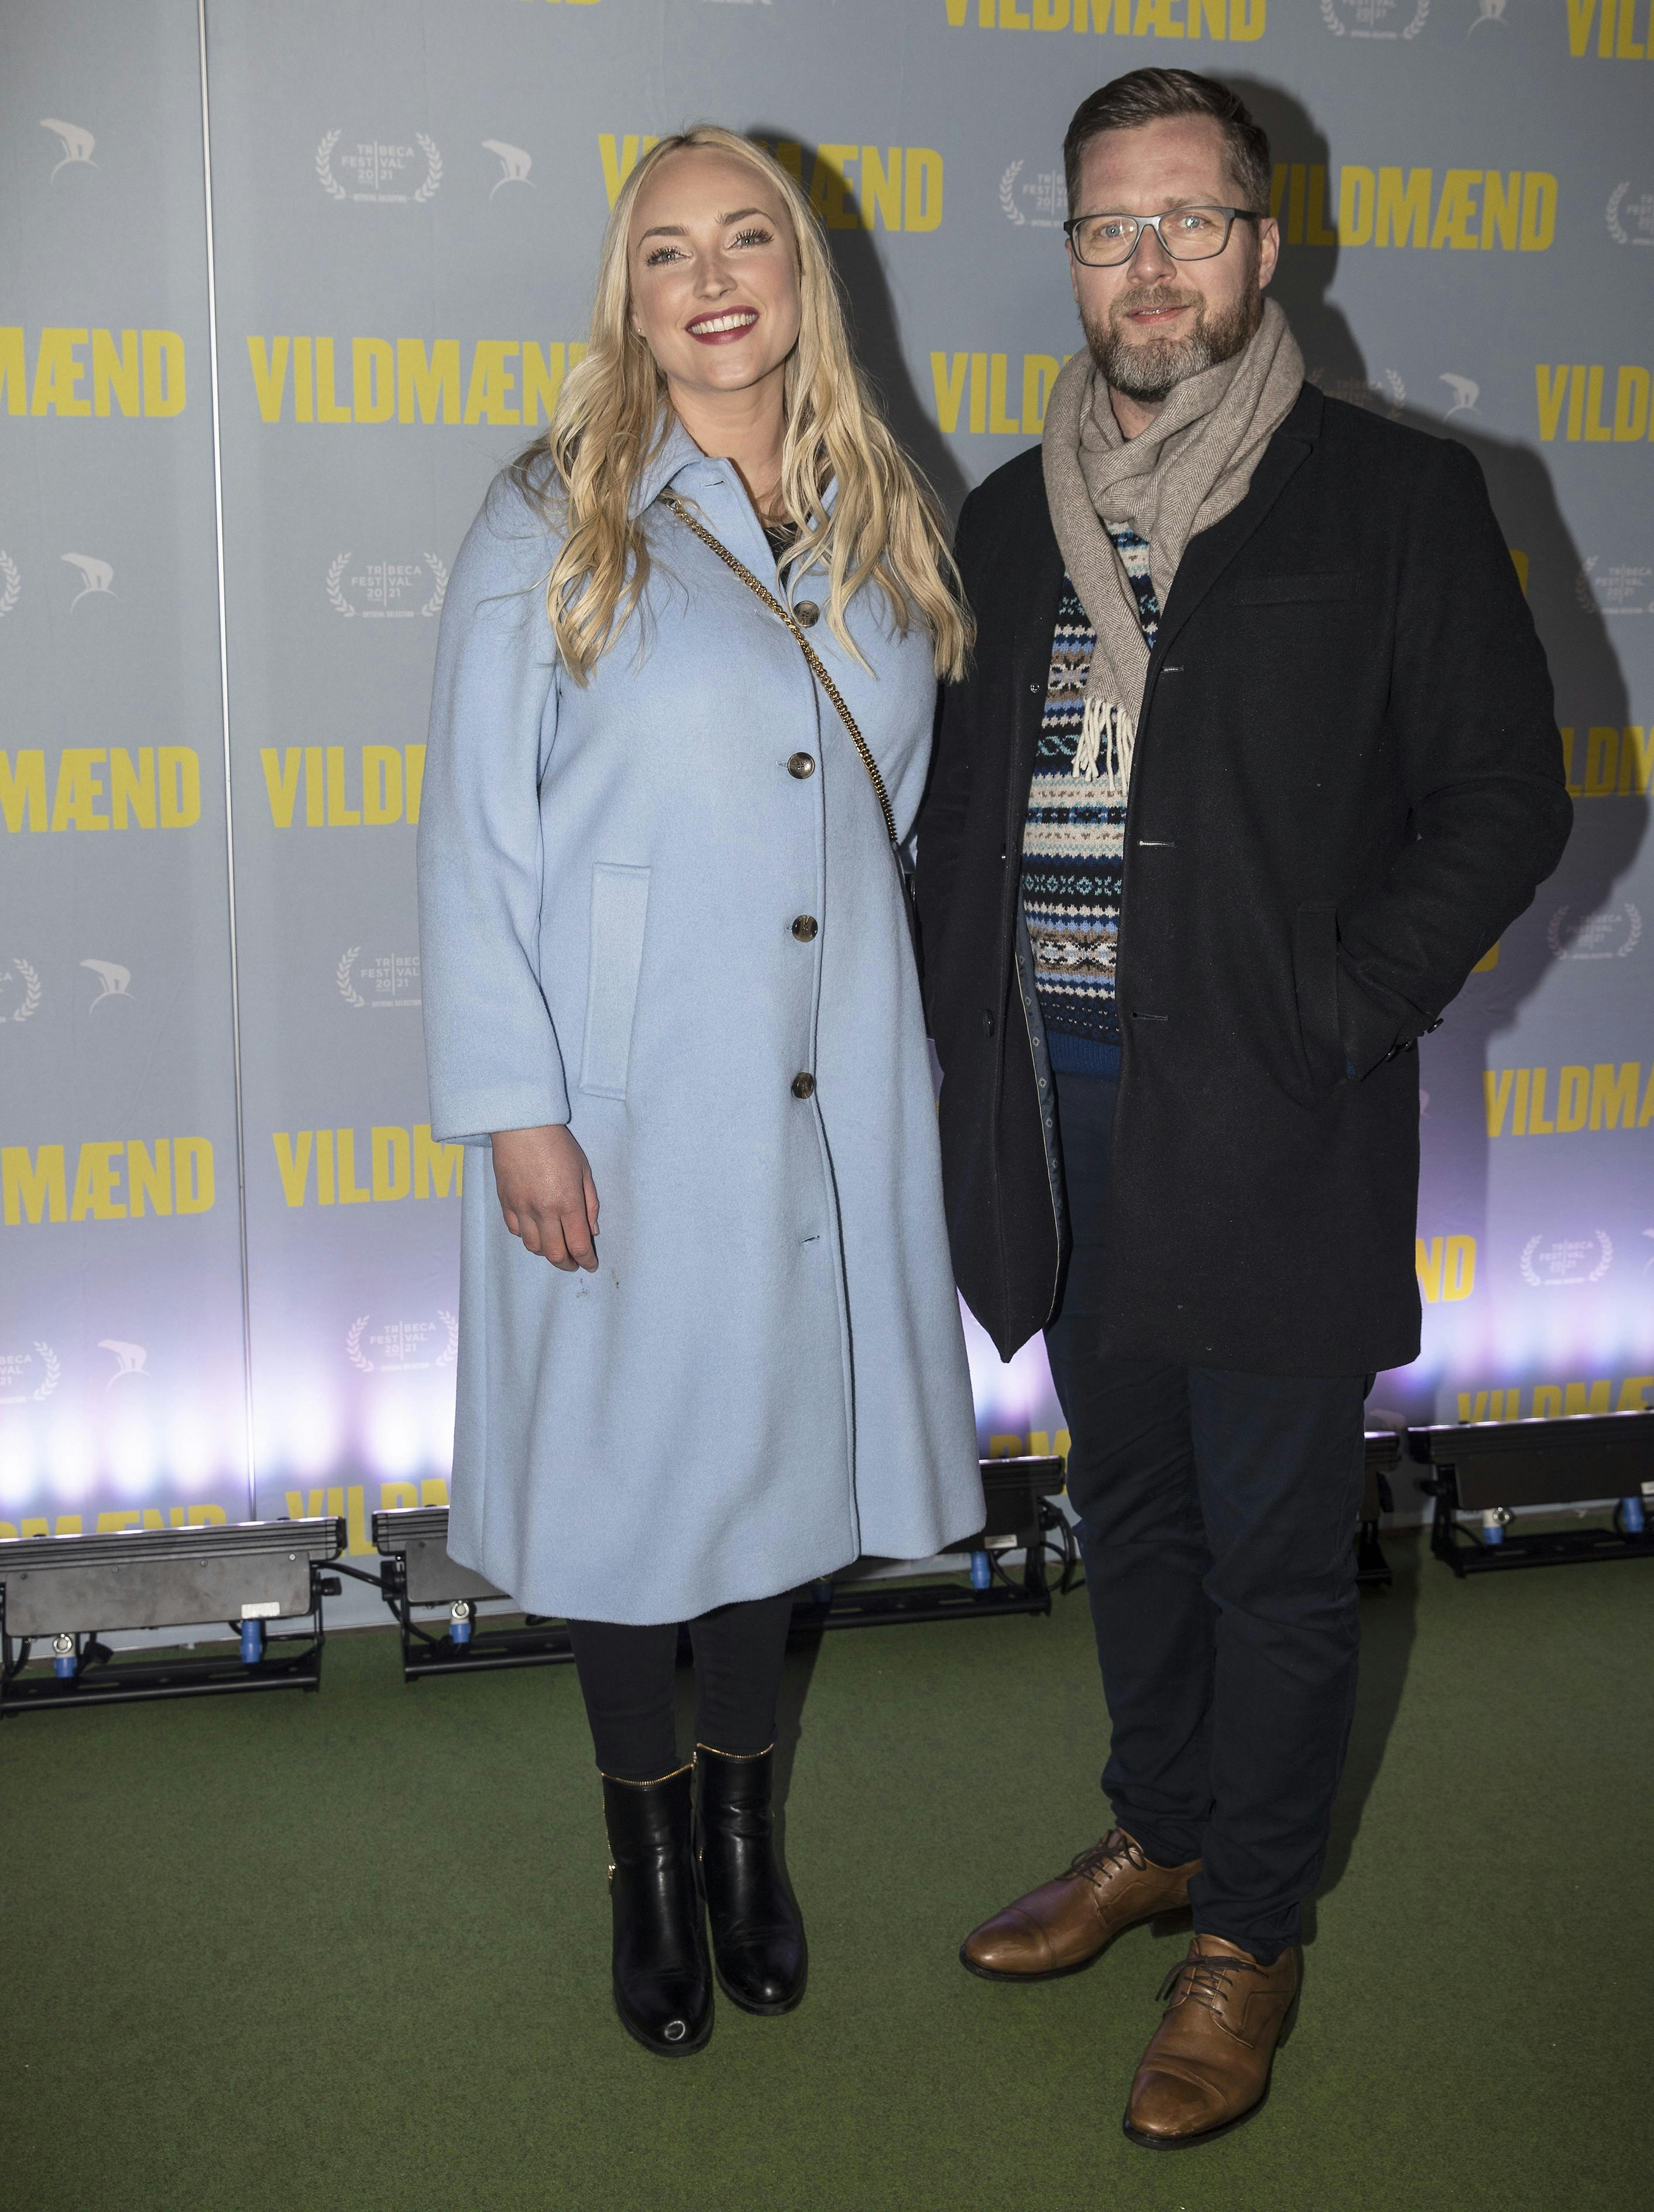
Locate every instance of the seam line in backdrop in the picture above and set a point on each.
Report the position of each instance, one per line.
(229, 802)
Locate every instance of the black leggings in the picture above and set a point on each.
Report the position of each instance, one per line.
(626, 1679)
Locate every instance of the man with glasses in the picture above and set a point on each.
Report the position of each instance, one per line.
(1255, 763)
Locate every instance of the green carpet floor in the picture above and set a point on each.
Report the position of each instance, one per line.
(295, 1954)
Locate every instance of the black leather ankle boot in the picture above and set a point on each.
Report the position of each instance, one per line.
(663, 1987)
(757, 1935)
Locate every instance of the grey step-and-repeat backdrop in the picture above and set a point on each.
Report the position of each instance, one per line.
(244, 427)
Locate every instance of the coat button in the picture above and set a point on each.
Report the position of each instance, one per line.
(806, 613)
(800, 765)
(805, 928)
(803, 1086)
(987, 1022)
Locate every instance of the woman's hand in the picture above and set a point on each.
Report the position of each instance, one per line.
(547, 1194)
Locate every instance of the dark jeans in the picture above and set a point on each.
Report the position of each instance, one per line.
(1217, 1520)
(626, 1679)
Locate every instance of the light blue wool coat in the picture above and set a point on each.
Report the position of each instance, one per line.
(766, 1376)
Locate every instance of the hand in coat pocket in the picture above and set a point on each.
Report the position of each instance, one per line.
(547, 1194)
(1314, 984)
(1345, 1033)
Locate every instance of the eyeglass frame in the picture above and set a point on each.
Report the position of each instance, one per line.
(1146, 223)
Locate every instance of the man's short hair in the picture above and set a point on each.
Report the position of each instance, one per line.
(1156, 95)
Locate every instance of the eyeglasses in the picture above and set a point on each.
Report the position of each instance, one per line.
(1187, 234)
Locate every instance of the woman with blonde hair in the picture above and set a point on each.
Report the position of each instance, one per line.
(681, 722)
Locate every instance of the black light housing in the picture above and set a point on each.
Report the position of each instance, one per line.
(1490, 1468)
(66, 1592)
(415, 1569)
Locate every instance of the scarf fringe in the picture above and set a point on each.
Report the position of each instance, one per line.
(1108, 741)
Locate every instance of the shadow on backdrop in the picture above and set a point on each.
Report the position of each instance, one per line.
(1591, 693)
(875, 338)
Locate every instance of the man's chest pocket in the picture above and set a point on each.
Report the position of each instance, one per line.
(1293, 591)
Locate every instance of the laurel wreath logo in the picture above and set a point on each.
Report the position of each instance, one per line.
(13, 583)
(52, 1370)
(1396, 389)
(1555, 927)
(1582, 585)
(348, 990)
(341, 604)
(450, 1323)
(353, 1343)
(1329, 16)
(1007, 203)
(434, 162)
(1617, 230)
(31, 990)
(434, 604)
(1531, 1274)
(330, 184)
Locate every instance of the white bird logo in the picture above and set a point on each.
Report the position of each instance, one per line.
(77, 143)
(96, 576)
(1464, 390)
(514, 162)
(115, 980)
(131, 1358)
(1493, 11)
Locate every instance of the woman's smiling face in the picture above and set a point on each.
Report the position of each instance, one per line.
(714, 272)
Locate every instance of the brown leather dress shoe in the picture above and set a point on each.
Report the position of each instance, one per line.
(1207, 2068)
(1064, 1925)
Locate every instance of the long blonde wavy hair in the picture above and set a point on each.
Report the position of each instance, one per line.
(884, 527)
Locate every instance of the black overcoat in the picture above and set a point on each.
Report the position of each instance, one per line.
(1348, 781)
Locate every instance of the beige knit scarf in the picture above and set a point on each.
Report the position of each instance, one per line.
(1185, 472)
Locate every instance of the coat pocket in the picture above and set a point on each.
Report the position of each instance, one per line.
(620, 904)
(1291, 590)
(1315, 985)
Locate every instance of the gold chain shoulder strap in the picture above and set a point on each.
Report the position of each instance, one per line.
(777, 607)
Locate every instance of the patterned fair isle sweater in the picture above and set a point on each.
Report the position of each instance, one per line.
(1074, 846)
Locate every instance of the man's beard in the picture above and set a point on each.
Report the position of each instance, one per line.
(1150, 371)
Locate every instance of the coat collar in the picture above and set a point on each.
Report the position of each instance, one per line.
(676, 454)
(678, 462)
